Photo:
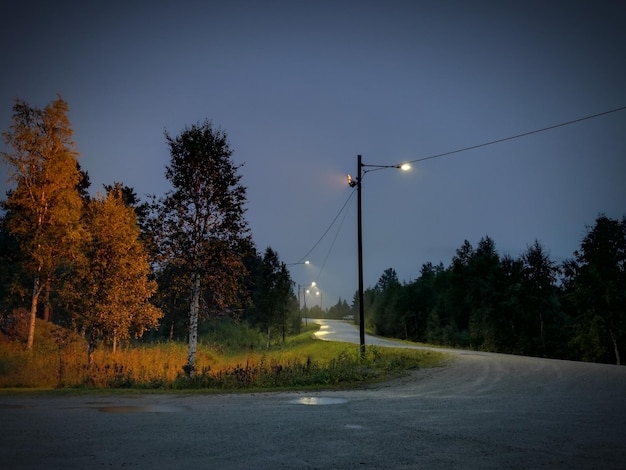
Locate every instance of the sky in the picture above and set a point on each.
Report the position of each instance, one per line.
(301, 88)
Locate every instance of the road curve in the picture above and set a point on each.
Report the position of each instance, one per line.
(484, 411)
(337, 330)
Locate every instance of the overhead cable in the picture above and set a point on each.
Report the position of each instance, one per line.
(525, 134)
(301, 260)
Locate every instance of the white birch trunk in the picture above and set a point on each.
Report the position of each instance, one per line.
(33, 312)
(193, 324)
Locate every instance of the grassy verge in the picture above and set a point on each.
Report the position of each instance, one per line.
(303, 362)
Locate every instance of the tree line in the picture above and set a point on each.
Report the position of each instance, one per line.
(113, 267)
(527, 305)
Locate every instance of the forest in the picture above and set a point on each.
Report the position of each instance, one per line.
(527, 305)
(118, 270)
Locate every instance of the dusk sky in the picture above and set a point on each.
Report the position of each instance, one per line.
(301, 88)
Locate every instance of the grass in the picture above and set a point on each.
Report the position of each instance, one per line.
(59, 362)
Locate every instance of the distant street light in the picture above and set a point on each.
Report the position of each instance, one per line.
(319, 292)
(300, 262)
(357, 183)
(305, 292)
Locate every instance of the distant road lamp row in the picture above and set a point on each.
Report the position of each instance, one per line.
(306, 262)
(358, 183)
(305, 292)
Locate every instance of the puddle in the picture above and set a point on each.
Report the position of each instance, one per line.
(353, 426)
(318, 401)
(141, 409)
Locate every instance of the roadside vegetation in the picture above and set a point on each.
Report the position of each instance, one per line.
(229, 358)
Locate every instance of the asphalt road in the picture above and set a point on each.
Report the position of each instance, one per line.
(484, 411)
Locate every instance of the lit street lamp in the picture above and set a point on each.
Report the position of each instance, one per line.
(358, 185)
(301, 262)
(319, 292)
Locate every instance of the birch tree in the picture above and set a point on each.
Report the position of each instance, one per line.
(43, 211)
(201, 224)
(111, 289)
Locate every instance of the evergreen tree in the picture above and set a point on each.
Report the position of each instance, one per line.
(271, 295)
(596, 288)
(541, 325)
(341, 310)
(422, 299)
(385, 308)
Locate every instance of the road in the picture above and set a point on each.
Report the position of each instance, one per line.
(336, 330)
(484, 411)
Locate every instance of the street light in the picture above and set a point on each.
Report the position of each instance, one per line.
(357, 183)
(321, 296)
(300, 262)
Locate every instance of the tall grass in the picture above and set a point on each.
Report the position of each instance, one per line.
(228, 358)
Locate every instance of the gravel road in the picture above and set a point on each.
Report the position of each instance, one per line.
(483, 411)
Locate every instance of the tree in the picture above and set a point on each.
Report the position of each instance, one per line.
(421, 299)
(457, 310)
(272, 293)
(14, 284)
(340, 310)
(43, 211)
(129, 198)
(385, 304)
(389, 278)
(596, 286)
(539, 302)
(200, 223)
(110, 289)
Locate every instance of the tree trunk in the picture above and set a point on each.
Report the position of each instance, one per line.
(615, 348)
(33, 312)
(114, 341)
(47, 308)
(193, 324)
(90, 349)
(267, 344)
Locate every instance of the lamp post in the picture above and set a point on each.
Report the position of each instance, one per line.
(358, 184)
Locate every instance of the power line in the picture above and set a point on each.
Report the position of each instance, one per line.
(330, 249)
(301, 260)
(518, 136)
